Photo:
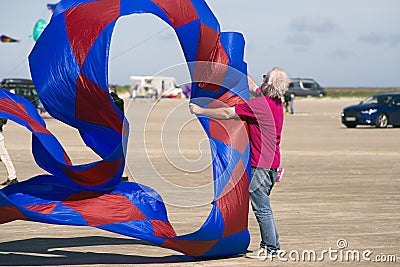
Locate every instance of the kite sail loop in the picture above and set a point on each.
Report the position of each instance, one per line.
(69, 68)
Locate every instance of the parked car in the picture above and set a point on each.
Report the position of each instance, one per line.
(380, 110)
(22, 87)
(305, 87)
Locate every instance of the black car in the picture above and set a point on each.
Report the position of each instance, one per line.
(305, 87)
(380, 110)
(22, 87)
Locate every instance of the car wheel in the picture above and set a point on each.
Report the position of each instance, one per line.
(382, 121)
(351, 125)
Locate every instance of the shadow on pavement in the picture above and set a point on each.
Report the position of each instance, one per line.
(49, 251)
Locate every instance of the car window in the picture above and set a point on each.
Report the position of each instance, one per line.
(396, 101)
(384, 99)
(370, 100)
(307, 85)
(377, 100)
(294, 84)
(315, 86)
(25, 92)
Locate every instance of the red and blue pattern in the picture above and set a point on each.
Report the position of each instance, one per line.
(69, 68)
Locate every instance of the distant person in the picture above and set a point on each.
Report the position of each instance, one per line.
(186, 90)
(152, 93)
(264, 117)
(41, 108)
(120, 104)
(155, 93)
(134, 91)
(117, 100)
(5, 158)
(289, 103)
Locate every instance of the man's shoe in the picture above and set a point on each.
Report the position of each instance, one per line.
(13, 181)
(8, 182)
(261, 254)
(5, 183)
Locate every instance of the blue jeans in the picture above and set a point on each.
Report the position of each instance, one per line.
(261, 185)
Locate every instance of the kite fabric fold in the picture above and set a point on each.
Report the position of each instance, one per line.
(69, 68)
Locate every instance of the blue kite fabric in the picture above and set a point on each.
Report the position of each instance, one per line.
(69, 66)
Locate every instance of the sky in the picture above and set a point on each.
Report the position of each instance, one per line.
(342, 43)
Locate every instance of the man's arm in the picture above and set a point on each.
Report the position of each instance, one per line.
(252, 84)
(215, 113)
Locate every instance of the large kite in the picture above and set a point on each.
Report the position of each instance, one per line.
(69, 66)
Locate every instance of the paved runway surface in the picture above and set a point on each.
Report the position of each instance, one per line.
(339, 197)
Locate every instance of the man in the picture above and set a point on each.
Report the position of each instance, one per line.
(5, 158)
(120, 104)
(264, 116)
(117, 100)
(289, 102)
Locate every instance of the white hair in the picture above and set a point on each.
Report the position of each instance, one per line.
(276, 83)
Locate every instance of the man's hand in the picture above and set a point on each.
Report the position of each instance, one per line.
(195, 109)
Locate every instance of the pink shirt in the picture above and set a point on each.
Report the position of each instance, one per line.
(264, 117)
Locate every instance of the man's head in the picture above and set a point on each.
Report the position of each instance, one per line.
(112, 89)
(275, 83)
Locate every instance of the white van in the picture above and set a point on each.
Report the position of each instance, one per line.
(153, 86)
